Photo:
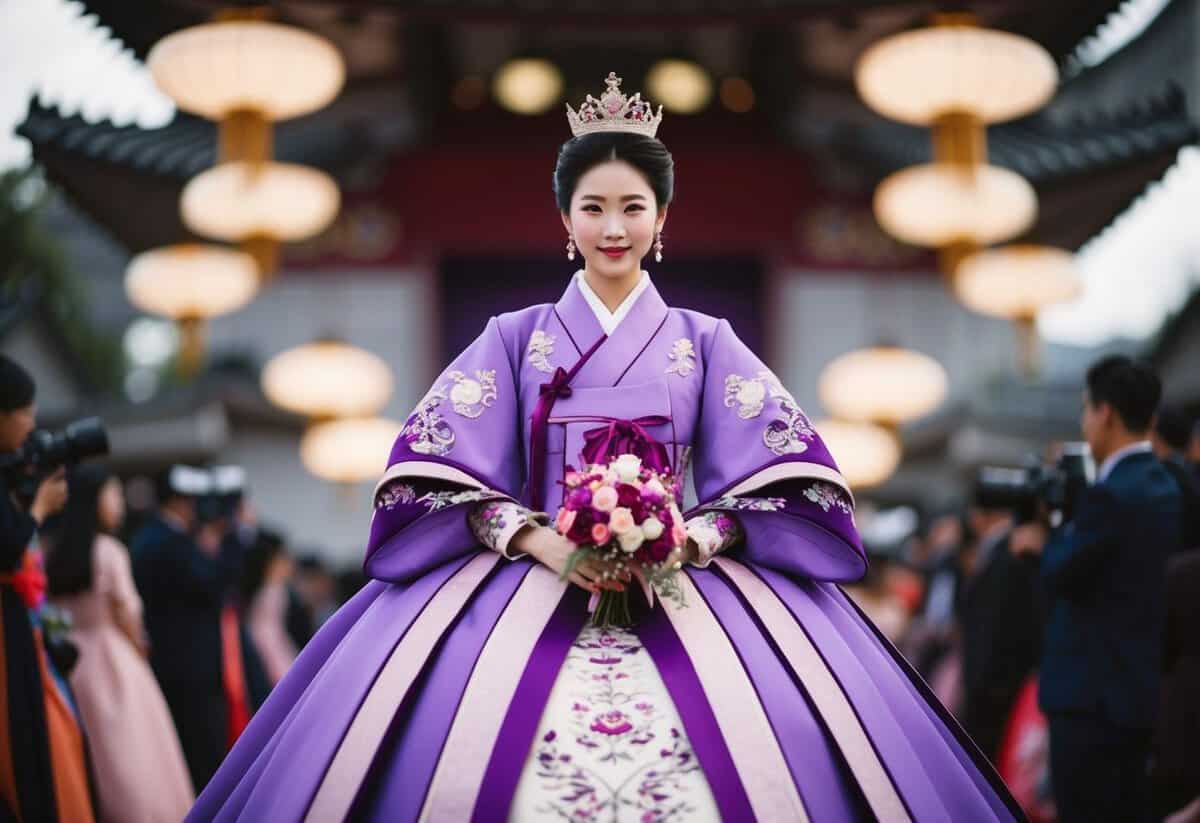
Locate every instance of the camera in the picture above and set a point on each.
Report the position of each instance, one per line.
(1025, 490)
(45, 451)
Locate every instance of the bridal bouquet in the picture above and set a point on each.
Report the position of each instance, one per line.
(627, 515)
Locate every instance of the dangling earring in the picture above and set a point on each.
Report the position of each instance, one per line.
(570, 247)
(658, 248)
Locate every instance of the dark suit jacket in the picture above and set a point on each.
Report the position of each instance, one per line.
(1001, 618)
(1105, 579)
(183, 591)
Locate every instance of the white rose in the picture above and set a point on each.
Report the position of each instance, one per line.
(751, 393)
(652, 528)
(627, 467)
(656, 487)
(630, 540)
(620, 520)
(466, 393)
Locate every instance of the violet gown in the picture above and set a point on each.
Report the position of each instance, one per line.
(460, 683)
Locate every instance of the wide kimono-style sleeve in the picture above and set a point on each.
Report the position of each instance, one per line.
(461, 445)
(759, 458)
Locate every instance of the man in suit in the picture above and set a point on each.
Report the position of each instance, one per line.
(1001, 621)
(1172, 428)
(184, 583)
(1104, 574)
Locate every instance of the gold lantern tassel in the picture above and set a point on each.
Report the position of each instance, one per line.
(191, 346)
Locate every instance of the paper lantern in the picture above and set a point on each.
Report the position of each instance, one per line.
(191, 281)
(939, 205)
(349, 451)
(217, 69)
(328, 379)
(919, 76)
(528, 85)
(884, 384)
(866, 454)
(679, 85)
(1016, 282)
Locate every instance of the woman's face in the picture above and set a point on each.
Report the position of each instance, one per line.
(614, 219)
(110, 506)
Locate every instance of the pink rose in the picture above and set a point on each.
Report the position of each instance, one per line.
(604, 499)
(621, 520)
(600, 534)
(566, 519)
(678, 535)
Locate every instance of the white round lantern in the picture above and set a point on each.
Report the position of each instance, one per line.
(219, 68)
(1016, 282)
(937, 205)
(191, 281)
(284, 201)
(528, 85)
(884, 384)
(865, 454)
(680, 85)
(349, 451)
(327, 379)
(919, 76)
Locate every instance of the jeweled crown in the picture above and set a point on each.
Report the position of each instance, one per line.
(614, 112)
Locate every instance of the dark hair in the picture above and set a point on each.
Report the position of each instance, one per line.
(73, 535)
(646, 154)
(1130, 387)
(16, 385)
(267, 546)
(1173, 426)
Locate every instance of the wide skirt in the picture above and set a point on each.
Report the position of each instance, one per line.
(443, 699)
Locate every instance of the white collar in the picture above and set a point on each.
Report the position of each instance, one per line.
(1110, 462)
(609, 320)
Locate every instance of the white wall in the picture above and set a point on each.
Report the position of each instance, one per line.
(816, 316)
(392, 313)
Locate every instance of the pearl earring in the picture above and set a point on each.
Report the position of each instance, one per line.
(570, 247)
(658, 247)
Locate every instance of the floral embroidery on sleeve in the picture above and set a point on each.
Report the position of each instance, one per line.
(787, 434)
(426, 431)
(541, 346)
(394, 494)
(712, 532)
(470, 396)
(828, 496)
(495, 522)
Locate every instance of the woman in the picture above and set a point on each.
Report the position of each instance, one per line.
(140, 772)
(265, 575)
(463, 682)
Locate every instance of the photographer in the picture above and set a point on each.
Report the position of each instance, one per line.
(43, 775)
(1104, 572)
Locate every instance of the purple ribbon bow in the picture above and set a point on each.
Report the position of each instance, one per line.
(627, 437)
(548, 393)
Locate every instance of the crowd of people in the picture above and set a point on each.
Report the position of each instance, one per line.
(136, 647)
(1066, 645)
(1062, 634)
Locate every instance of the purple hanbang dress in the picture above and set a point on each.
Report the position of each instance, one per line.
(443, 690)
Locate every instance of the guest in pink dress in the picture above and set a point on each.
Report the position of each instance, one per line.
(138, 763)
(266, 574)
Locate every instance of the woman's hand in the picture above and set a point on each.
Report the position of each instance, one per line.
(553, 550)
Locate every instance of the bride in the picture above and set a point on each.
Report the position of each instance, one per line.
(464, 682)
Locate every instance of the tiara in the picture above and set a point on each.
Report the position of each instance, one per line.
(614, 112)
